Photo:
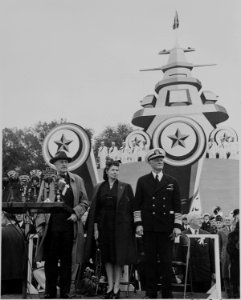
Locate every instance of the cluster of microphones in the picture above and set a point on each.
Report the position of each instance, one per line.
(25, 187)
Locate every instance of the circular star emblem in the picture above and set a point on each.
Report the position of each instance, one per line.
(139, 137)
(182, 139)
(178, 139)
(225, 134)
(70, 138)
(63, 143)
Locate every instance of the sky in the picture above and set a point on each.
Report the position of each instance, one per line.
(80, 60)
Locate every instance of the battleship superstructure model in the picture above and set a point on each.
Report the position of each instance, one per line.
(179, 118)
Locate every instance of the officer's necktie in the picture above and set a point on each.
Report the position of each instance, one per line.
(157, 179)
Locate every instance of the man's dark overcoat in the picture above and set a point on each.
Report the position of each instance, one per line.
(233, 251)
(124, 225)
(81, 204)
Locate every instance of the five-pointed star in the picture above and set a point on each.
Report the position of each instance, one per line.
(63, 143)
(224, 137)
(178, 139)
(137, 142)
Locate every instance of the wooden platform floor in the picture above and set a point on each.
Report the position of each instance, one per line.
(123, 295)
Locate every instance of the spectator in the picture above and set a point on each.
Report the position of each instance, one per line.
(235, 215)
(233, 148)
(227, 225)
(124, 153)
(202, 264)
(13, 255)
(113, 152)
(19, 220)
(21, 223)
(185, 224)
(225, 266)
(144, 149)
(206, 225)
(135, 151)
(233, 251)
(223, 238)
(102, 153)
(222, 149)
(213, 227)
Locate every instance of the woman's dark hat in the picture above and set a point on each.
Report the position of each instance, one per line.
(60, 155)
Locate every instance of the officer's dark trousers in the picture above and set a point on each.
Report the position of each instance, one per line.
(59, 247)
(157, 243)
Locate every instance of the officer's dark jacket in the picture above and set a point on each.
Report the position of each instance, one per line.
(159, 203)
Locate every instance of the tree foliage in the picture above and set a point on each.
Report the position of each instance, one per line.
(112, 134)
(22, 148)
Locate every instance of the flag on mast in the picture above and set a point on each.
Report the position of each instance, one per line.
(176, 22)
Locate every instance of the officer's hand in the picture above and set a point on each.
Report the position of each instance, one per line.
(175, 233)
(139, 230)
(72, 218)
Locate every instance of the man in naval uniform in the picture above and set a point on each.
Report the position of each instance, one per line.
(62, 233)
(135, 151)
(113, 151)
(102, 153)
(157, 216)
(124, 152)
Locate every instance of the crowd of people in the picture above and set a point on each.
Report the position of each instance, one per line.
(115, 220)
(227, 229)
(125, 154)
(226, 149)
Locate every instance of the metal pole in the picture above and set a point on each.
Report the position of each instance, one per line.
(187, 266)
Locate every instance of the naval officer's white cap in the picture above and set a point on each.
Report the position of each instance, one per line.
(154, 153)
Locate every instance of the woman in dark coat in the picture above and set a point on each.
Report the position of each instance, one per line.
(111, 223)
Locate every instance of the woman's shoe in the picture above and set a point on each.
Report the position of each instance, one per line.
(108, 295)
(116, 295)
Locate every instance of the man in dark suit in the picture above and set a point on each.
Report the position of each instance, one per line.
(185, 224)
(206, 225)
(12, 252)
(157, 216)
(202, 261)
(62, 233)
